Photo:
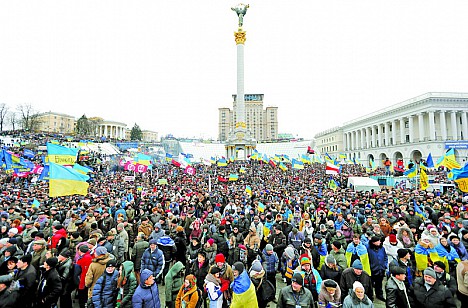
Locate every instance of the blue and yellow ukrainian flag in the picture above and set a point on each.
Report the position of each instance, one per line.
(297, 164)
(168, 157)
(233, 177)
(411, 172)
(248, 190)
(81, 169)
(222, 162)
(283, 167)
(421, 255)
(212, 160)
(242, 170)
(65, 181)
(61, 155)
(143, 159)
(361, 251)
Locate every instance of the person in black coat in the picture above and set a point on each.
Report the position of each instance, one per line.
(437, 296)
(445, 278)
(50, 285)
(356, 273)
(200, 270)
(395, 289)
(278, 241)
(9, 297)
(64, 269)
(26, 277)
(221, 241)
(180, 241)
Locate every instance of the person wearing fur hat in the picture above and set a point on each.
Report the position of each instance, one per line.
(243, 290)
(429, 292)
(406, 238)
(330, 294)
(50, 286)
(295, 295)
(252, 242)
(180, 241)
(187, 297)
(214, 288)
(357, 297)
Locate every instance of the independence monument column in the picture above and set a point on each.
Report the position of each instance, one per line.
(240, 140)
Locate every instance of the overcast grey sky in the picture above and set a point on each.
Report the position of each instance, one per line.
(169, 65)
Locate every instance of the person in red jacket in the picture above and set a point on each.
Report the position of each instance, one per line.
(58, 232)
(81, 268)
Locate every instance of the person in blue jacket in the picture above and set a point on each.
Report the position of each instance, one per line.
(153, 259)
(105, 290)
(378, 261)
(147, 294)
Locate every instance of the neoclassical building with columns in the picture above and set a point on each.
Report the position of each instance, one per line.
(429, 123)
(112, 129)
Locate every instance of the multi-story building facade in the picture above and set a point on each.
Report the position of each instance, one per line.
(430, 123)
(149, 136)
(54, 122)
(330, 141)
(262, 123)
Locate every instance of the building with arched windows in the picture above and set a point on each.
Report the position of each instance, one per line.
(430, 123)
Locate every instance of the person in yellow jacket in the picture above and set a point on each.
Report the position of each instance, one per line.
(188, 294)
(243, 289)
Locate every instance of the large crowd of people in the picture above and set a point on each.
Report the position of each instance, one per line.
(211, 242)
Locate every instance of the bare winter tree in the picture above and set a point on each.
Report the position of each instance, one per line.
(3, 112)
(13, 120)
(29, 117)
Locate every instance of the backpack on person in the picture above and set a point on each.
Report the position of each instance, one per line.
(200, 298)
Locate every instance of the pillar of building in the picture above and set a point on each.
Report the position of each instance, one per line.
(352, 141)
(410, 128)
(453, 120)
(443, 125)
(464, 119)
(363, 140)
(402, 131)
(345, 141)
(393, 132)
(105, 130)
(379, 134)
(373, 129)
(432, 135)
(387, 134)
(421, 126)
(368, 140)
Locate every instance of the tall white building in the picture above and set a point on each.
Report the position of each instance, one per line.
(430, 123)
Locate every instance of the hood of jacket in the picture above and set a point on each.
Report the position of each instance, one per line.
(178, 266)
(127, 268)
(145, 275)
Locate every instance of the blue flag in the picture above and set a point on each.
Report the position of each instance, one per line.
(430, 161)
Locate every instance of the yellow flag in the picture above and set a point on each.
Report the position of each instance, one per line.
(424, 179)
(462, 184)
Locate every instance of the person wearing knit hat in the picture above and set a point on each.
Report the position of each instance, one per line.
(391, 246)
(47, 295)
(270, 262)
(312, 278)
(265, 290)
(378, 261)
(295, 293)
(357, 297)
(291, 263)
(243, 290)
(445, 277)
(429, 292)
(356, 272)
